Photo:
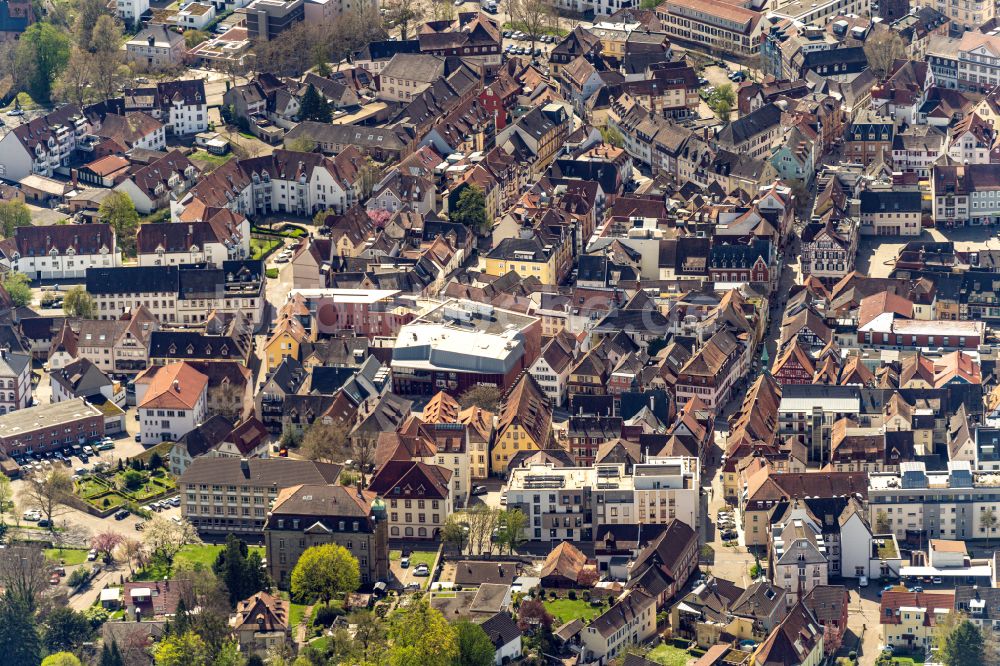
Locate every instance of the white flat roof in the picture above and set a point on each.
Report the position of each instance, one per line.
(978, 570)
(110, 593)
(346, 295)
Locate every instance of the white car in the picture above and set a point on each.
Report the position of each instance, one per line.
(91, 555)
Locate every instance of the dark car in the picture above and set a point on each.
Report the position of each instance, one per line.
(121, 515)
(479, 490)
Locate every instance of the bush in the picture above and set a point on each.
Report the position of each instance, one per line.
(97, 615)
(78, 578)
(324, 616)
(572, 595)
(271, 273)
(586, 595)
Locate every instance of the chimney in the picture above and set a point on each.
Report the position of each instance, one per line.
(166, 583)
(177, 385)
(74, 174)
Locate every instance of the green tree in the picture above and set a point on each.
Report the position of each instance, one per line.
(455, 533)
(988, 520)
(882, 524)
(721, 101)
(181, 649)
(18, 286)
(88, 12)
(613, 136)
(42, 53)
(107, 64)
(118, 210)
(963, 646)
(239, 570)
(155, 461)
(111, 655)
(470, 209)
(513, 522)
(420, 636)
(474, 647)
(324, 572)
(132, 480)
(61, 659)
(66, 629)
(301, 144)
(13, 214)
(6, 497)
(19, 642)
(78, 303)
(314, 106)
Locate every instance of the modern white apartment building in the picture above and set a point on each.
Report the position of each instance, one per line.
(565, 503)
(934, 505)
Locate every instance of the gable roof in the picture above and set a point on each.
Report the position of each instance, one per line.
(564, 560)
(174, 386)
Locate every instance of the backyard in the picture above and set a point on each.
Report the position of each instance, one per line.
(565, 610)
(214, 161)
(203, 554)
(669, 654)
(416, 557)
(260, 248)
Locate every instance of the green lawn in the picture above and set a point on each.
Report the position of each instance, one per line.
(416, 557)
(260, 248)
(295, 613)
(213, 160)
(909, 660)
(668, 655)
(565, 610)
(69, 556)
(89, 486)
(203, 554)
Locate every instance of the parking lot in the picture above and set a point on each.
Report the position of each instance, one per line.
(517, 43)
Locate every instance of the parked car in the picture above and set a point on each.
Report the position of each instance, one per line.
(863, 581)
(44, 523)
(937, 580)
(122, 514)
(729, 535)
(422, 570)
(405, 562)
(479, 490)
(91, 555)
